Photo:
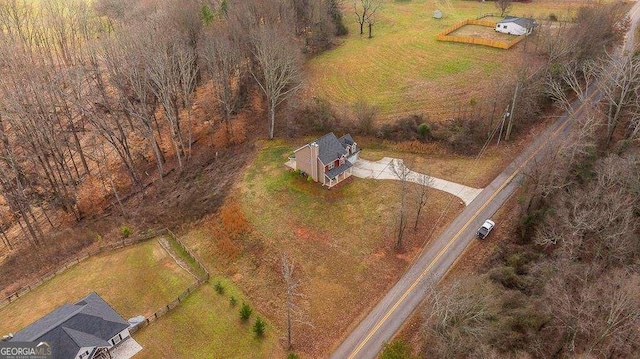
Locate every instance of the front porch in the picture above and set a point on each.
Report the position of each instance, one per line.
(338, 174)
(126, 349)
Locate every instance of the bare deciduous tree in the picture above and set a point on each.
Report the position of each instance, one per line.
(596, 313)
(292, 294)
(365, 115)
(421, 195)
(503, 6)
(163, 65)
(458, 317)
(224, 63)
(620, 84)
(573, 76)
(279, 72)
(401, 171)
(365, 11)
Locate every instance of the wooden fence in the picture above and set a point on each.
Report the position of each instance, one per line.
(167, 308)
(174, 303)
(444, 35)
(111, 246)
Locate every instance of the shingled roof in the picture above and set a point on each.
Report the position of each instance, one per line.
(331, 148)
(522, 21)
(90, 322)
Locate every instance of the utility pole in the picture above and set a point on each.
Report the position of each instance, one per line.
(513, 106)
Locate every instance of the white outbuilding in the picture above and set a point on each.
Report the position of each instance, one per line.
(515, 25)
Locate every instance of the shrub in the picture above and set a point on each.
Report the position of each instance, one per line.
(292, 356)
(233, 220)
(245, 312)
(424, 130)
(125, 231)
(404, 129)
(233, 301)
(365, 115)
(259, 327)
(520, 260)
(464, 136)
(553, 17)
(336, 17)
(396, 349)
(219, 288)
(312, 117)
(206, 14)
(508, 277)
(227, 247)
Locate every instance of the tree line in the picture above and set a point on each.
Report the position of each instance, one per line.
(105, 90)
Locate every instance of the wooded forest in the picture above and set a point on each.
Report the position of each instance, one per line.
(96, 97)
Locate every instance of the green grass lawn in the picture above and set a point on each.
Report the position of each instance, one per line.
(405, 70)
(340, 241)
(205, 325)
(135, 280)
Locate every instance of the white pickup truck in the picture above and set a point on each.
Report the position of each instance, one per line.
(485, 229)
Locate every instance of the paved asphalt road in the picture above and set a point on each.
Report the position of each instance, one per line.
(634, 15)
(367, 339)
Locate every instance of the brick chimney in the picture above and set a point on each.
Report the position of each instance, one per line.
(315, 151)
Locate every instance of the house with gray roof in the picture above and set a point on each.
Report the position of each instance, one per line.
(328, 160)
(87, 329)
(515, 25)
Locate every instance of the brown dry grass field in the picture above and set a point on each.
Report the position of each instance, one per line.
(340, 241)
(404, 70)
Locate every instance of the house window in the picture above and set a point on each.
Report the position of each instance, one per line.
(84, 355)
(330, 166)
(116, 340)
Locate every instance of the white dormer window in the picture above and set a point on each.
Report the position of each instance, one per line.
(330, 166)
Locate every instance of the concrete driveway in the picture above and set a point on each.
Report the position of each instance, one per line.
(382, 170)
(126, 349)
